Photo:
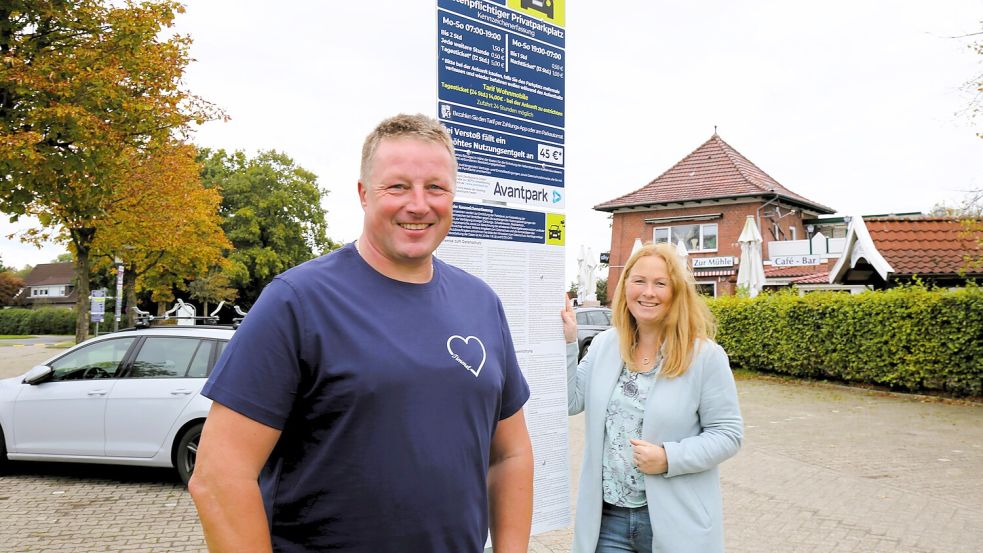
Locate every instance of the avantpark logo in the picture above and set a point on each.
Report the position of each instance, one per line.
(527, 195)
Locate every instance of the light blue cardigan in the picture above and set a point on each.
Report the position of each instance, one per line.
(695, 417)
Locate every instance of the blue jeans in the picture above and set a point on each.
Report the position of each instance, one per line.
(625, 529)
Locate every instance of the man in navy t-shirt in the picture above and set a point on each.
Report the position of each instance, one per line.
(372, 400)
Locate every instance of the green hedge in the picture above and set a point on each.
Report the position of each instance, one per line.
(910, 338)
(46, 320)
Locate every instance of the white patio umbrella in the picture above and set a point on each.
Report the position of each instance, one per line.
(636, 246)
(681, 250)
(751, 273)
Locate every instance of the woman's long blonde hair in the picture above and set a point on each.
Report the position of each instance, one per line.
(687, 320)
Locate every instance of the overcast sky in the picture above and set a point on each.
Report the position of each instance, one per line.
(858, 105)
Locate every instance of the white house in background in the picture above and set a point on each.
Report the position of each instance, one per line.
(49, 285)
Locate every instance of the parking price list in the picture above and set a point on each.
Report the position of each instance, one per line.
(501, 88)
(512, 251)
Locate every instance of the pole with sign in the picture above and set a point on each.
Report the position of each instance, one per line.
(501, 96)
(119, 296)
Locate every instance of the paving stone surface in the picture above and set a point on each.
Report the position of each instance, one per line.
(823, 469)
(828, 468)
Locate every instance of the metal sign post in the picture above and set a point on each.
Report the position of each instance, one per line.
(119, 295)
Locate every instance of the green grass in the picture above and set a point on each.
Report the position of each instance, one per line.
(14, 338)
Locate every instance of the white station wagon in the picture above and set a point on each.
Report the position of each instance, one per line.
(127, 398)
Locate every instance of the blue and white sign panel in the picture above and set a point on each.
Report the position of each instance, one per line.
(501, 94)
(97, 306)
(487, 222)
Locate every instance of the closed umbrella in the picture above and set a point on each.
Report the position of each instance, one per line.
(751, 273)
(681, 250)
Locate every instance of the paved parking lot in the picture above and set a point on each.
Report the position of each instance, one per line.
(823, 469)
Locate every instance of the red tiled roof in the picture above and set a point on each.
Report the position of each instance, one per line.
(714, 170)
(926, 246)
(799, 270)
(817, 278)
(45, 274)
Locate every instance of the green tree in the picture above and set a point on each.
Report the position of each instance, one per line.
(970, 214)
(212, 288)
(602, 291)
(272, 214)
(86, 87)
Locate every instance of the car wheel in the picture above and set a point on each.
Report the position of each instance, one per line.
(187, 452)
(583, 350)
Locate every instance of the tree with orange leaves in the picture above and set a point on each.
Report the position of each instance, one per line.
(162, 224)
(86, 88)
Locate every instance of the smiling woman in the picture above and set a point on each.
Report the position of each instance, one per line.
(661, 414)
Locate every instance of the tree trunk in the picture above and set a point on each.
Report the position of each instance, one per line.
(82, 289)
(130, 288)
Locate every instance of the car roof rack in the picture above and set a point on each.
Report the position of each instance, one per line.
(145, 320)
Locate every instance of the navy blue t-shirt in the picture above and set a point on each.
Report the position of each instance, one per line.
(387, 394)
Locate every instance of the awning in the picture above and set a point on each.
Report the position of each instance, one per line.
(722, 272)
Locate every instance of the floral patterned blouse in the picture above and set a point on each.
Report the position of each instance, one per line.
(623, 484)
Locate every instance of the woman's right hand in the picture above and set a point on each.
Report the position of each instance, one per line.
(569, 322)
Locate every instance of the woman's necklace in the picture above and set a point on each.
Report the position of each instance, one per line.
(630, 387)
(655, 357)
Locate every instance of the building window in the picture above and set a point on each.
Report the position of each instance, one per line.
(707, 289)
(39, 291)
(696, 238)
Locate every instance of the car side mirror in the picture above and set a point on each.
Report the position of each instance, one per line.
(38, 375)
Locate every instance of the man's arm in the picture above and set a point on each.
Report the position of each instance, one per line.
(510, 485)
(225, 487)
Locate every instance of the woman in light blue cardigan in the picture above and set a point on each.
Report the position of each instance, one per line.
(661, 415)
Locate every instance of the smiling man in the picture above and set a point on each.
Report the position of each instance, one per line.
(372, 400)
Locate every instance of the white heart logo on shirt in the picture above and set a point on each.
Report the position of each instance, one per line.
(465, 354)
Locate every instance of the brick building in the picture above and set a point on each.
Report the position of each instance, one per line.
(702, 202)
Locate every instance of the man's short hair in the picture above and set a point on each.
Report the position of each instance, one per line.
(418, 127)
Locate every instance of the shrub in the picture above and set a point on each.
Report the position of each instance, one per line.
(46, 320)
(911, 337)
